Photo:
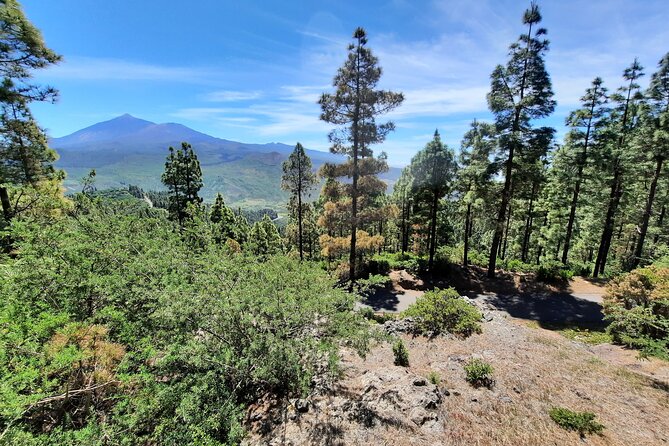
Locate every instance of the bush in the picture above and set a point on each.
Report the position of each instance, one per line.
(401, 353)
(479, 373)
(434, 378)
(636, 305)
(384, 263)
(182, 339)
(441, 311)
(369, 286)
(582, 422)
(553, 272)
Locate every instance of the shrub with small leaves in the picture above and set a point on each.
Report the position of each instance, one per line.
(441, 311)
(434, 378)
(582, 422)
(479, 373)
(401, 353)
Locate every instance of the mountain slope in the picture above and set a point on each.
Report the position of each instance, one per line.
(127, 150)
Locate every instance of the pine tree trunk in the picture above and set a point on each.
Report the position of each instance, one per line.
(607, 233)
(528, 224)
(572, 216)
(506, 230)
(6, 204)
(433, 231)
(646, 215)
(465, 254)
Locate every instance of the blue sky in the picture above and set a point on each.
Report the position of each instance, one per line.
(252, 71)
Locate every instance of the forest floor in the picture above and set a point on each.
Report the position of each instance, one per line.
(376, 402)
(536, 368)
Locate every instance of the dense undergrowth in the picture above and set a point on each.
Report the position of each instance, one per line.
(636, 306)
(115, 329)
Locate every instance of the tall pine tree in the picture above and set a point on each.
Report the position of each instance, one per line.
(520, 91)
(353, 107)
(618, 155)
(183, 178)
(584, 124)
(298, 179)
(433, 171)
(25, 156)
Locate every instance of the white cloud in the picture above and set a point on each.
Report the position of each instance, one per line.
(97, 69)
(231, 96)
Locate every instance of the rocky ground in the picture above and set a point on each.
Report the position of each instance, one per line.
(376, 402)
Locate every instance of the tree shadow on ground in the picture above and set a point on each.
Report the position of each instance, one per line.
(549, 309)
(384, 299)
(523, 297)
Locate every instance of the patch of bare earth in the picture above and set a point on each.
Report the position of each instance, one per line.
(376, 402)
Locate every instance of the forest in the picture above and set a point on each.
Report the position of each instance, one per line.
(155, 318)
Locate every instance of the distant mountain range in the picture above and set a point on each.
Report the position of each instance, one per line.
(128, 150)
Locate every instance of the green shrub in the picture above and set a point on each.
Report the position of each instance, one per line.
(553, 272)
(190, 336)
(479, 373)
(440, 311)
(519, 266)
(401, 353)
(636, 305)
(581, 422)
(434, 378)
(385, 262)
(370, 285)
(581, 269)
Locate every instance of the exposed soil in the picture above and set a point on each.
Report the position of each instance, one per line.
(377, 402)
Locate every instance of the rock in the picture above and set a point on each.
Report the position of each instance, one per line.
(474, 399)
(487, 317)
(420, 381)
(445, 392)
(399, 326)
(421, 416)
(505, 399)
(302, 405)
(516, 389)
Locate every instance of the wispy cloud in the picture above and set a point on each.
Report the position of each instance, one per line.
(231, 96)
(103, 69)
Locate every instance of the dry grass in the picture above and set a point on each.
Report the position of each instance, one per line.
(535, 370)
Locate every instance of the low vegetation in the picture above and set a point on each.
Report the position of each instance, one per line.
(114, 325)
(479, 373)
(636, 306)
(401, 353)
(581, 422)
(444, 311)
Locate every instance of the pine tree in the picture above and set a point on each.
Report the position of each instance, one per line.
(354, 106)
(223, 220)
(520, 91)
(433, 171)
(25, 156)
(475, 173)
(584, 124)
(623, 121)
(654, 141)
(403, 199)
(183, 178)
(298, 179)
